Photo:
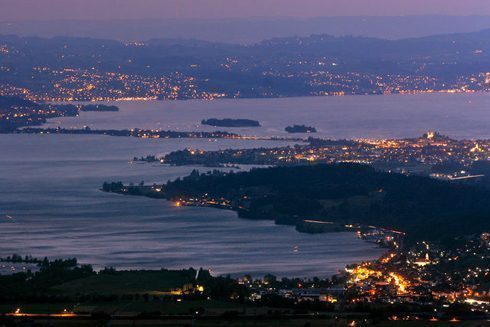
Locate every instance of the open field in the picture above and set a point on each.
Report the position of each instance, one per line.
(127, 282)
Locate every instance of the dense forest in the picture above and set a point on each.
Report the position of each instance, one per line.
(348, 193)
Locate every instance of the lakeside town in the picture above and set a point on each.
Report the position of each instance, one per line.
(432, 154)
(318, 65)
(74, 84)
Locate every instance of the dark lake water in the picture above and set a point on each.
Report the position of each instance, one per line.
(456, 115)
(49, 184)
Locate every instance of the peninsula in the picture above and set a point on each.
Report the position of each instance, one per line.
(135, 132)
(343, 195)
(16, 112)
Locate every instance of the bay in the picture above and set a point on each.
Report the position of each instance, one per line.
(49, 184)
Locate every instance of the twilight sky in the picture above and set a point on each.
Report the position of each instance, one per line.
(18, 10)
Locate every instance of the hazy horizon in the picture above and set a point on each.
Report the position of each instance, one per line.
(21, 10)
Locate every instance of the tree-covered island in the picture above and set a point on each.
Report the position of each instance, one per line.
(300, 129)
(228, 122)
(99, 108)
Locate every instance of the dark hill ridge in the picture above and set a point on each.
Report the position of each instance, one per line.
(424, 208)
(319, 45)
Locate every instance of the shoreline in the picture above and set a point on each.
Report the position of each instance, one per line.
(337, 228)
(149, 99)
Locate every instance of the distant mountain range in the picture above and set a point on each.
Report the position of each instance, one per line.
(251, 30)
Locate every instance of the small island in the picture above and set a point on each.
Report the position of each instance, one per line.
(300, 129)
(228, 122)
(99, 108)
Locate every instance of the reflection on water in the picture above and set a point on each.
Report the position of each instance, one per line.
(49, 187)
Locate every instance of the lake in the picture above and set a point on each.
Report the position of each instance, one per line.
(50, 203)
(389, 116)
